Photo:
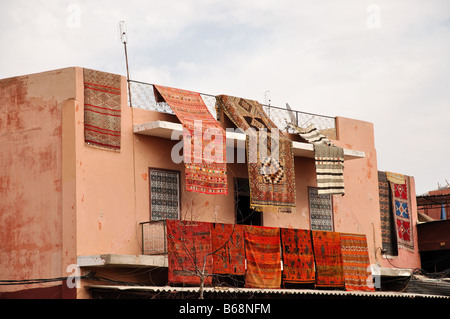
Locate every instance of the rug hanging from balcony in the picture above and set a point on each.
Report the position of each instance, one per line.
(262, 249)
(270, 158)
(102, 109)
(395, 178)
(228, 249)
(312, 135)
(329, 169)
(298, 256)
(388, 230)
(329, 160)
(328, 259)
(204, 141)
(355, 262)
(401, 203)
(189, 249)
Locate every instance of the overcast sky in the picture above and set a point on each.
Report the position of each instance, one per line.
(385, 61)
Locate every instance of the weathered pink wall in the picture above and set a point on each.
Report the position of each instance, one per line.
(61, 198)
(105, 202)
(30, 174)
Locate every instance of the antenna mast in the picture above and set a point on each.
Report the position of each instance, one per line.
(123, 38)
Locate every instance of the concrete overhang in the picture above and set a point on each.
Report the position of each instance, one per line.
(117, 260)
(174, 131)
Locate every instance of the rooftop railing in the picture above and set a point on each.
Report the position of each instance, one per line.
(142, 96)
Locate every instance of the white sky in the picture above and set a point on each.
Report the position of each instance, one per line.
(382, 61)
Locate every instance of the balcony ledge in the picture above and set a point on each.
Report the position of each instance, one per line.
(165, 129)
(117, 260)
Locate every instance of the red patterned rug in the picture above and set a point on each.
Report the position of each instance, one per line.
(327, 254)
(189, 252)
(401, 201)
(262, 248)
(102, 109)
(204, 141)
(298, 256)
(228, 248)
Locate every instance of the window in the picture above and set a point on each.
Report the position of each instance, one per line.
(164, 194)
(244, 214)
(321, 210)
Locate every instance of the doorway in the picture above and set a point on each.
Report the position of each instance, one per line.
(244, 214)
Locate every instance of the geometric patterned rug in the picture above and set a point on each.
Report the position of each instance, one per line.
(321, 210)
(228, 251)
(298, 256)
(102, 109)
(270, 159)
(204, 141)
(388, 229)
(328, 259)
(401, 203)
(355, 261)
(189, 252)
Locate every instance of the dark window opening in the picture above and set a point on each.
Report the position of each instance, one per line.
(244, 214)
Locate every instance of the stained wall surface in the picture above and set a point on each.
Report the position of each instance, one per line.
(61, 198)
(31, 173)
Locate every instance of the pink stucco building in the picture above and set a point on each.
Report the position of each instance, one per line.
(68, 208)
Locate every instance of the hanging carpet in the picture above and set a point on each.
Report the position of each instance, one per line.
(298, 256)
(312, 135)
(204, 141)
(355, 262)
(388, 230)
(401, 203)
(262, 249)
(328, 259)
(102, 109)
(329, 169)
(189, 252)
(270, 158)
(329, 160)
(228, 249)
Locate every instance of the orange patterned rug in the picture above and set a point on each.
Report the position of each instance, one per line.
(189, 251)
(228, 249)
(204, 141)
(262, 249)
(298, 256)
(355, 262)
(327, 254)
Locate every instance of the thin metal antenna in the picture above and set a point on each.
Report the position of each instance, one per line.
(123, 38)
(267, 93)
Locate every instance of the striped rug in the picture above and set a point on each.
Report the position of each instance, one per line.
(355, 262)
(329, 160)
(329, 169)
(312, 135)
